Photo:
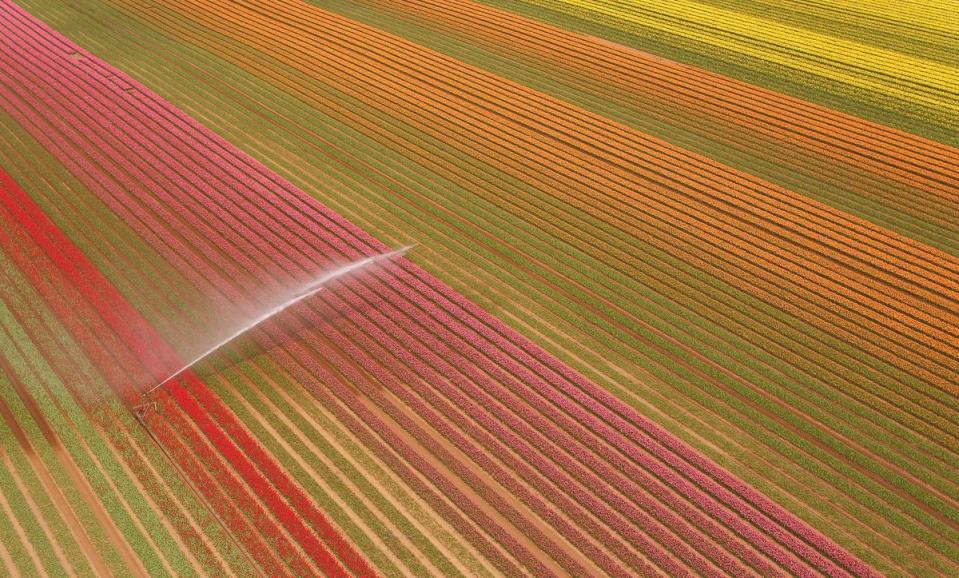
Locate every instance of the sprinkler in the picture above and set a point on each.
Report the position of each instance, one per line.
(312, 289)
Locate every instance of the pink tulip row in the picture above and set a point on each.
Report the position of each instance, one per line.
(450, 427)
(589, 416)
(469, 518)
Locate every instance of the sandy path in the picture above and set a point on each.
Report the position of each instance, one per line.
(58, 500)
(21, 534)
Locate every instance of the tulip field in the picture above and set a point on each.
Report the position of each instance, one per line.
(683, 297)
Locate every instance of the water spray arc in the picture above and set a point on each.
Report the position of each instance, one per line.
(310, 290)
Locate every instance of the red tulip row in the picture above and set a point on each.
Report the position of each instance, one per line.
(245, 519)
(284, 485)
(201, 181)
(238, 457)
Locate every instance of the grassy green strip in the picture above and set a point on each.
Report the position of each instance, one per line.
(25, 565)
(64, 537)
(25, 515)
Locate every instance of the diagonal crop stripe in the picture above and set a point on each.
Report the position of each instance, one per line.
(539, 470)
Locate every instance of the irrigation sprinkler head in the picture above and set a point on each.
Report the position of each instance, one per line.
(141, 410)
